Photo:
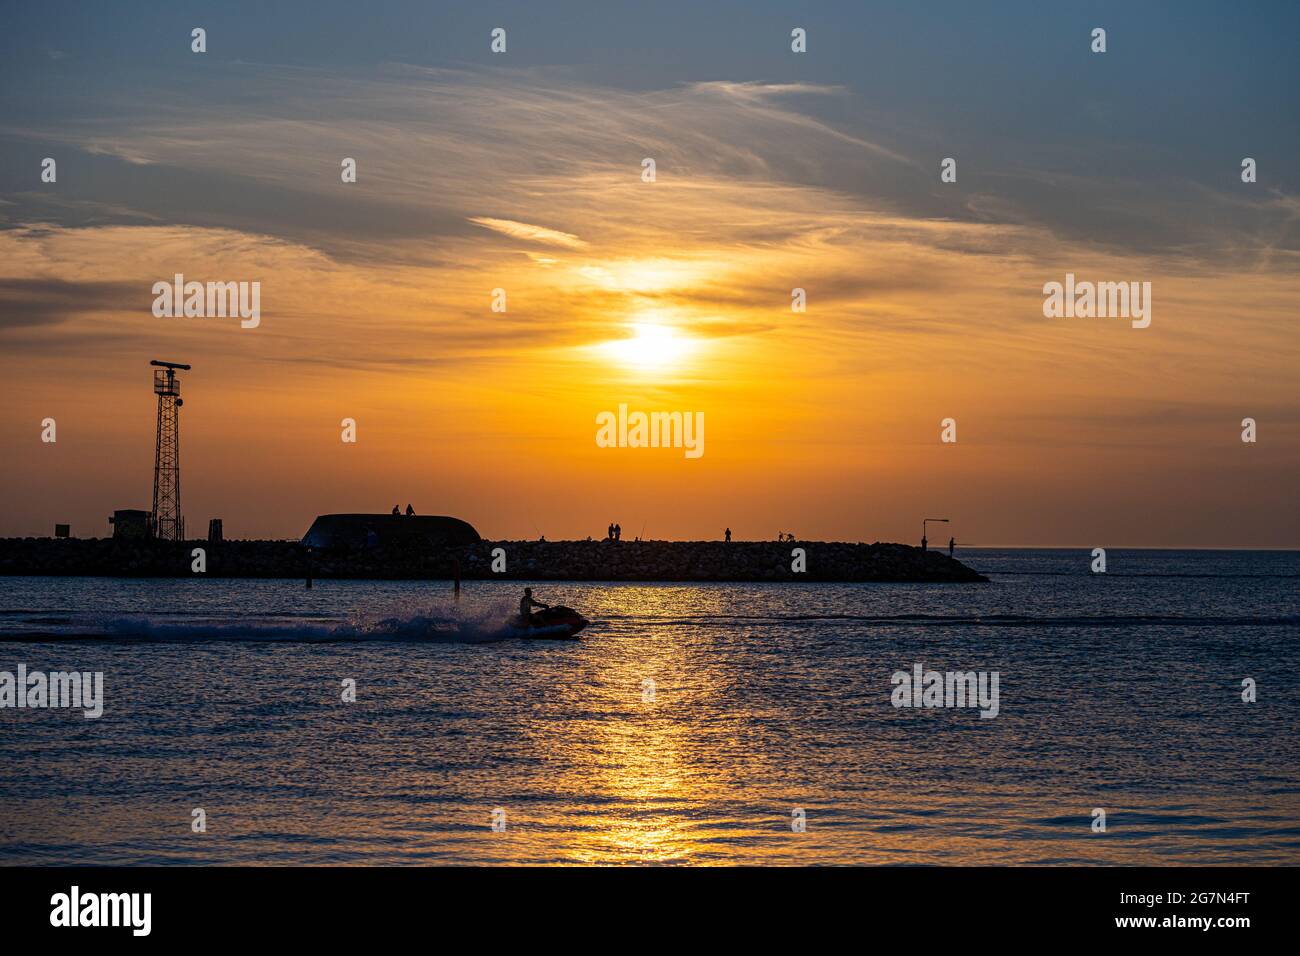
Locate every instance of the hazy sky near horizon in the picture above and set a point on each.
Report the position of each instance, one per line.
(775, 170)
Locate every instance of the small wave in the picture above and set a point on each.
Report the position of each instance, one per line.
(416, 628)
(1076, 573)
(984, 620)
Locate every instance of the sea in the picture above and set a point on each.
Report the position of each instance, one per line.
(1145, 715)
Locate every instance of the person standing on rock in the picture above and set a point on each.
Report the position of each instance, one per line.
(618, 532)
(728, 535)
(610, 535)
(923, 542)
(952, 543)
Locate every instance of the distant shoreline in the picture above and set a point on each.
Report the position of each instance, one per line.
(649, 561)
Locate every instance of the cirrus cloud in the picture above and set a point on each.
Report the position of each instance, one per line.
(529, 232)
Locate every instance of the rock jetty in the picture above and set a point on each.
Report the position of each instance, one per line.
(523, 560)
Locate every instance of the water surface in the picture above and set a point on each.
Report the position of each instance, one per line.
(1120, 692)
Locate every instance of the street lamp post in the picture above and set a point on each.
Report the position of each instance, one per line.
(924, 522)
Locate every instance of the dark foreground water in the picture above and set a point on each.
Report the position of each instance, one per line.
(1121, 692)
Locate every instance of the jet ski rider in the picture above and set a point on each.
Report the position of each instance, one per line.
(526, 605)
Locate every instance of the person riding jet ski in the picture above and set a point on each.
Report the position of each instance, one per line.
(526, 605)
(552, 622)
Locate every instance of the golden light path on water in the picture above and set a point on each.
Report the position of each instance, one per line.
(643, 767)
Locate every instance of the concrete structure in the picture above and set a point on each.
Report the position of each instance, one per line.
(355, 531)
(130, 523)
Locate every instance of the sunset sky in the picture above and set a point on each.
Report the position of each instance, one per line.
(775, 170)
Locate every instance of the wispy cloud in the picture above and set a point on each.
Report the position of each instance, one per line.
(530, 233)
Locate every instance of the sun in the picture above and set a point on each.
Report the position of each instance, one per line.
(652, 347)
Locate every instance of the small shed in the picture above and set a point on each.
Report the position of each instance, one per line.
(130, 523)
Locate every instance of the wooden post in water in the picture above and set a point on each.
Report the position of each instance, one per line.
(309, 571)
(456, 561)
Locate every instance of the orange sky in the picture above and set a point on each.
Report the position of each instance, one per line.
(1081, 432)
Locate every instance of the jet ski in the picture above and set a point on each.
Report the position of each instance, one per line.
(554, 623)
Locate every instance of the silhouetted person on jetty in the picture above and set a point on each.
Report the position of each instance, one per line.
(952, 543)
(610, 535)
(618, 532)
(526, 605)
(409, 510)
(397, 509)
(728, 535)
(924, 543)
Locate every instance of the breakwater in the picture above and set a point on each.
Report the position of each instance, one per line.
(509, 560)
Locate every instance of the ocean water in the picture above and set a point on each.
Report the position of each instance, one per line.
(1121, 692)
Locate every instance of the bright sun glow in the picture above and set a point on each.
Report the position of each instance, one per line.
(653, 347)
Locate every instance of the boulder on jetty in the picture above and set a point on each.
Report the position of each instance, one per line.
(524, 560)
